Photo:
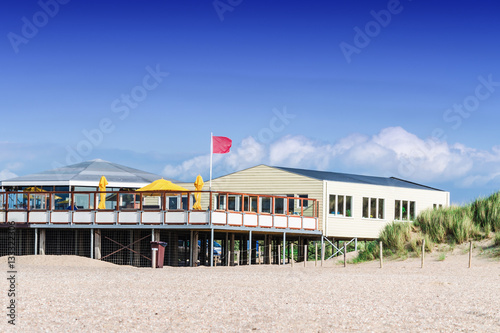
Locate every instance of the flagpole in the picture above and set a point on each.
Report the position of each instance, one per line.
(211, 153)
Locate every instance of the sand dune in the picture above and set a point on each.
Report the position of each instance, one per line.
(66, 293)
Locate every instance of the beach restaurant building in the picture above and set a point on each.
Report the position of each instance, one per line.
(251, 216)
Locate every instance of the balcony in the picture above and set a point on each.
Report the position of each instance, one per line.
(129, 208)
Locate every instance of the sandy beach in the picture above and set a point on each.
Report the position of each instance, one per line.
(67, 293)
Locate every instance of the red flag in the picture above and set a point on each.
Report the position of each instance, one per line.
(221, 144)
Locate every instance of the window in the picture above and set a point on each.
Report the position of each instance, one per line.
(279, 206)
(373, 208)
(381, 209)
(340, 205)
(305, 203)
(404, 210)
(221, 202)
(249, 204)
(233, 203)
(265, 204)
(172, 202)
(366, 210)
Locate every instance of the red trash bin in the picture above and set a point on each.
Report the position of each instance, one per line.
(160, 254)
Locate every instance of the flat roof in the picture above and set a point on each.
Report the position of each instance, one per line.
(358, 179)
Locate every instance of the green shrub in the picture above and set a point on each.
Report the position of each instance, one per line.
(497, 239)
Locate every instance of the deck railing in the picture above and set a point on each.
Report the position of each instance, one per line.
(130, 207)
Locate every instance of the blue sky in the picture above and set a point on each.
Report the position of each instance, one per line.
(409, 89)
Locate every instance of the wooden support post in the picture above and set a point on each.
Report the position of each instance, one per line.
(269, 250)
(316, 255)
(291, 253)
(279, 255)
(470, 254)
(153, 257)
(345, 254)
(322, 254)
(381, 259)
(284, 248)
(226, 247)
(97, 244)
(42, 242)
(305, 255)
(36, 243)
(194, 250)
(238, 257)
(230, 259)
(423, 253)
(211, 247)
(231, 250)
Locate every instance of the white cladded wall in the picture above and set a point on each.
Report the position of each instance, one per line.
(369, 228)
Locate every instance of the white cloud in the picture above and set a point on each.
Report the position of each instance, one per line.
(6, 174)
(392, 152)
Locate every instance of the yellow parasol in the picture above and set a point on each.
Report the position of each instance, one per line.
(161, 185)
(198, 185)
(102, 187)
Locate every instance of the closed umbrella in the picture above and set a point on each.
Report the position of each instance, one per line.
(102, 187)
(198, 185)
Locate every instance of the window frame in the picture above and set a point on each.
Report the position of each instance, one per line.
(411, 215)
(344, 205)
(378, 209)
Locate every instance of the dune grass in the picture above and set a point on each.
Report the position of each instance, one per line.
(452, 225)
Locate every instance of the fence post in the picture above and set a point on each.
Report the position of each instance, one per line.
(470, 254)
(423, 253)
(381, 259)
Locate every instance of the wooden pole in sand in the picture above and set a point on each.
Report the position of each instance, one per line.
(345, 255)
(470, 254)
(291, 253)
(381, 259)
(316, 255)
(423, 253)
